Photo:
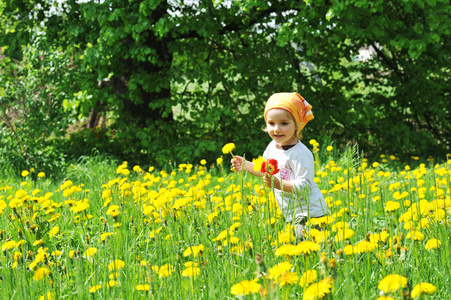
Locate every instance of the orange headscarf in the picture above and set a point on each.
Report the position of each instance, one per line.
(297, 106)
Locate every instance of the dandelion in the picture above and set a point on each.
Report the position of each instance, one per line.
(46, 296)
(112, 283)
(25, 173)
(423, 288)
(103, 236)
(279, 269)
(363, 246)
(165, 270)
(143, 287)
(79, 207)
(344, 234)
(318, 290)
(113, 211)
(287, 249)
(8, 245)
(245, 287)
(54, 231)
(432, 244)
(40, 273)
(329, 148)
(308, 277)
(194, 251)
(415, 235)
(392, 283)
(95, 288)
(288, 278)
(191, 271)
(116, 264)
(41, 174)
(89, 253)
(392, 206)
(228, 148)
(305, 247)
(258, 163)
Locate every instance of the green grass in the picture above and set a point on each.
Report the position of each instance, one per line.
(155, 217)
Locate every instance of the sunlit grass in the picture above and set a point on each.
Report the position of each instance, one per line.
(202, 232)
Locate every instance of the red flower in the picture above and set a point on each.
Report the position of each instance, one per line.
(270, 166)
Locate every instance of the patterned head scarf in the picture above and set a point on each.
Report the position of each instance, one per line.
(297, 106)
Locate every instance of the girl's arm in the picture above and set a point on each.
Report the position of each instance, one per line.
(287, 185)
(239, 163)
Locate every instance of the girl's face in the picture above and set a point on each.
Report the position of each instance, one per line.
(281, 127)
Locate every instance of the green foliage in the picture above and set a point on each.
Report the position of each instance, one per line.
(180, 81)
(31, 109)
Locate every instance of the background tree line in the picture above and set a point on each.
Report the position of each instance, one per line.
(175, 80)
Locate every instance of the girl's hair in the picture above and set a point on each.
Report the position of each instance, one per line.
(299, 135)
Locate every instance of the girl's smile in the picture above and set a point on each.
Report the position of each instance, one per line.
(281, 127)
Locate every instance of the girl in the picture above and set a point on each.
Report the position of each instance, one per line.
(295, 190)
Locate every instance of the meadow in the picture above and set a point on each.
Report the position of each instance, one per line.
(201, 231)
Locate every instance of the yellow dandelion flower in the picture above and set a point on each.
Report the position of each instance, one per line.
(305, 247)
(165, 270)
(116, 264)
(191, 272)
(288, 278)
(41, 174)
(320, 221)
(245, 287)
(384, 298)
(194, 251)
(25, 173)
(287, 249)
(279, 269)
(415, 235)
(222, 235)
(153, 233)
(46, 296)
(308, 277)
(318, 290)
(258, 163)
(40, 273)
(423, 288)
(113, 211)
(344, 234)
(228, 148)
(103, 236)
(8, 245)
(79, 206)
(392, 206)
(95, 288)
(363, 246)
(112, 283)
(143, 287)
(212, 217)
(432, 244)
(392, 283)
(90, 252)
(54, 231)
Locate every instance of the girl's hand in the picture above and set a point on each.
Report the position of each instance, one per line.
(267, 180)
(237, 163)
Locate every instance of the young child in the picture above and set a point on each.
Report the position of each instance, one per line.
(286, 115)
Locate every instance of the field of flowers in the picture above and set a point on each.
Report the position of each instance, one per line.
(203, 232)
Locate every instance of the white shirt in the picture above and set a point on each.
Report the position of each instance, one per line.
(297, 165)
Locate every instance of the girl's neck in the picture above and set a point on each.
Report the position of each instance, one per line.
(288, 145)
